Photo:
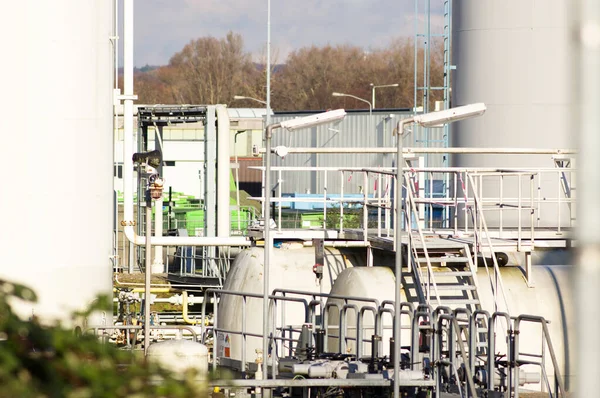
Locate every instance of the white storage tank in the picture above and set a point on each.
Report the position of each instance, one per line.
(179, 356)
(513, 55)
(291, 268)
(552, 298)
(376, 283)
(57, 195)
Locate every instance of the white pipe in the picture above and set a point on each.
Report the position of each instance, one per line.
(223, 170)
(128, 118)
(499, 151)
(128, 97)
(186, 241)
(157, 264)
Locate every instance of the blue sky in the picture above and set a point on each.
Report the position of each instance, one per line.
(163, 27)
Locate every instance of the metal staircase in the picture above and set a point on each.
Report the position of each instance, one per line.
(440, 272)
(453, 275)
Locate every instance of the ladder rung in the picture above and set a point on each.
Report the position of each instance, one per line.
(454, 287)
(444, 259)
(453, 273)
(458, 301)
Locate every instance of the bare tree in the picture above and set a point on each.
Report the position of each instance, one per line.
(212, 71)
(311, 74)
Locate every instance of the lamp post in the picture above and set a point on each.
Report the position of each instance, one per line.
(373, 87)
(241, 97)
(360, 99)
(290, 125)
(425, 120)
(268, 97)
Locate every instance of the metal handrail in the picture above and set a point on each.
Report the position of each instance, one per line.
(453, 332)
(243, 332)
(483, 224)
(414, 254)
(546, 338)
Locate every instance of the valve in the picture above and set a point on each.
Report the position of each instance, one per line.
(318, 271)
(155, 187)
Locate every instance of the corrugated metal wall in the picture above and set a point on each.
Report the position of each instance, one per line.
(357, 130)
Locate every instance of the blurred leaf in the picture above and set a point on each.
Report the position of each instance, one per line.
(43, 361)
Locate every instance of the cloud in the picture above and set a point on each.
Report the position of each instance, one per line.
(163, 27)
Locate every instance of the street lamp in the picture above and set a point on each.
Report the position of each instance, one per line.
(360, 99)
(290, 125)
(426, 120)
(373, 87)
(241, 97)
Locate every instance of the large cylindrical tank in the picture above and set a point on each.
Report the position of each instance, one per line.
(377, 283)
(57, 195)
(513, 55)
(178, 356)
(291, 267)
(551, 298)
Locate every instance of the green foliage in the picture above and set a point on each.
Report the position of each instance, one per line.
(352, 218)
(41, 361)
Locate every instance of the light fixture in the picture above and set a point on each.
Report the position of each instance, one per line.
(241, 97)
(373, 87)
(450, 115)
(336, 94)
(313, 120)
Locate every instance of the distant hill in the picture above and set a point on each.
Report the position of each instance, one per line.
(143, 69)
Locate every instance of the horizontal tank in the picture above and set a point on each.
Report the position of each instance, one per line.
(374, 283)
(291, 267)
(551, 298)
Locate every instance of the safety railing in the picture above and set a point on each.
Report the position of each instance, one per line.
(363, 198)
(342, 306)
(243, 332)
(556, 385)
(132, 259)
(482, 237)
(454, 347)
(411, 214)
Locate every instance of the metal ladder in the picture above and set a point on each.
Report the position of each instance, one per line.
(451, 282)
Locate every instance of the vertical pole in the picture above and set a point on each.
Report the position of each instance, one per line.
(267, 253)
(128, 116)
(147, 275)
(398, 263)
(373, 127)
(158, 231)
(373, 96)
(416, 58)
(268, 97)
